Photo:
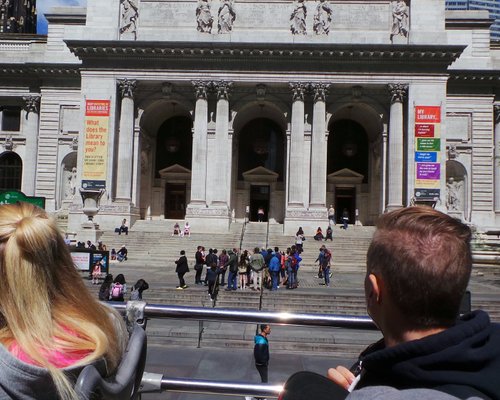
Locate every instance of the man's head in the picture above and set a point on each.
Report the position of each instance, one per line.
(265, 329)
(418, 264)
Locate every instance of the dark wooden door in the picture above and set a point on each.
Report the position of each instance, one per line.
(175, 200)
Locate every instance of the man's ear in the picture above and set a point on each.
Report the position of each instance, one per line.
(373, 288)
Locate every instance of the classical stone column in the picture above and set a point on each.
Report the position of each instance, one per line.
(221, 184)
(199, 163)
(384, 167)
(395, 167)
(32, 111)
(296, 188)
(125, 141)
(319, 147)
(496, 158)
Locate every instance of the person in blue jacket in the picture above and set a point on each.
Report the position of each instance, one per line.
(274, 269)
(261, 352)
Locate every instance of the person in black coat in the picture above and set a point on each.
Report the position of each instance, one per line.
(181, 269)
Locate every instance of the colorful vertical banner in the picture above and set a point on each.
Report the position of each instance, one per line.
(427, 152)
(95, 147)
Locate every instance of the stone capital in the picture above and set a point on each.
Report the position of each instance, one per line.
(298, 90)
(320, 91)
(222, 88)
(31, 104)
(201, 89)
(127, 87)
(398, 92)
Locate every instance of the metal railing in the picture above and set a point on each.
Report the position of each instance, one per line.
(157, 383)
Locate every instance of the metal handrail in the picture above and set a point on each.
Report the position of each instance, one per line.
(157, 383)
(248, 316)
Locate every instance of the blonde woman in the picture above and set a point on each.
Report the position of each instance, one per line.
(50, 324)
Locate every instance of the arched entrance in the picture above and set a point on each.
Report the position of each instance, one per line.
(173, 164)
(11, 171)
(261, 165)
(347, 166)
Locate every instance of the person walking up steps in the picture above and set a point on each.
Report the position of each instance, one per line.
(182, 268)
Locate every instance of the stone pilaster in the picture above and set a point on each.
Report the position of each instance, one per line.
(496, 157)
(32, 113)
(124, 170)
(296, 188)
(395, 167)
(319, 147)
(199, 163)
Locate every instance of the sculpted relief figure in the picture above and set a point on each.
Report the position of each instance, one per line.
(226, 16)
(323, 18)
(454, 195)
(400, 19)
(130, 14)
(70, 183)
(298, 18)
(204, 17)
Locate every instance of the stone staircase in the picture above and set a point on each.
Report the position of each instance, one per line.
(150, 242)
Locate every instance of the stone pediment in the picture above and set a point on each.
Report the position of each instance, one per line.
(175, 172)
(345, 175)
(260, 174)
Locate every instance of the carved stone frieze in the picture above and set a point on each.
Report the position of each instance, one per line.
(127, 87)
(323, 18)
(398, 92)
(8, 143)
(31, 104)
(496, 111)
(298, 18)
(207, 212)
(204, 19)
(129, 10)
(226, 16)
(260, 91)
(400, 19)
(305, 214)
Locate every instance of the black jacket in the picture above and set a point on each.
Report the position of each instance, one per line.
(182, 265)
(463, 361)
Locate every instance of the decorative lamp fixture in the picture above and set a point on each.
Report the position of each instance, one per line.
(172, 144)
(349, 149)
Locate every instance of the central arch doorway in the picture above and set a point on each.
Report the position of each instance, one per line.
(259, 198)
(261, 167)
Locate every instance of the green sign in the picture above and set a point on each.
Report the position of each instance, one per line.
(14, 196)
(427, 144)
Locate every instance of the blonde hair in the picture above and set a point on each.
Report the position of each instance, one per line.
(44, 304)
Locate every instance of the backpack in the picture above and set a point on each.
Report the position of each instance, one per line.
(117, 291)
(104, 293)
(291, 261)
(328, 256)
(135, 295)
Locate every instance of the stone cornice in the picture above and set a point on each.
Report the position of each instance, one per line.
(265, 56)
(474, 76)
(40, 70)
